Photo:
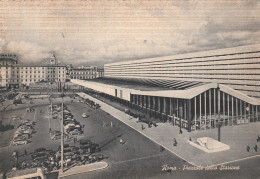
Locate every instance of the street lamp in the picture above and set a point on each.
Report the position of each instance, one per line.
(61, 128)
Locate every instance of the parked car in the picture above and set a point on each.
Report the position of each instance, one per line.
(19, 142)
(30, 109)
(16, 118)
(39, 150)
(84, 115)
(84, 142)
(55, 135)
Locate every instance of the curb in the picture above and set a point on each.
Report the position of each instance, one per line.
(99, 166)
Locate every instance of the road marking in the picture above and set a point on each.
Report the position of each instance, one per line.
(136, 159)
(254, 156)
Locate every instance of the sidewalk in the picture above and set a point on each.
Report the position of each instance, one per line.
(84, 168)
(237, 137)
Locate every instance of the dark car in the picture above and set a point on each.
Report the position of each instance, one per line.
(37, 155)
(84, 142)
(39, 150)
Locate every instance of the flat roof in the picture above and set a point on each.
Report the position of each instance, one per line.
(109, 85)
(147, 85)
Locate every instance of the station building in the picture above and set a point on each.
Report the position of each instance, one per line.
(195, 90)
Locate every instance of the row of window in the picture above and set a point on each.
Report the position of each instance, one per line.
(82, 77)
(83, 73)
(160, 61)
(38, 68)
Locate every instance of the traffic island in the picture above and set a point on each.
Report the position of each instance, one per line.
(209, 145)
(83, 169)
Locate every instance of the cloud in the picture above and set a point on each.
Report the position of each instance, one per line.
(89, 32)
(28, 52)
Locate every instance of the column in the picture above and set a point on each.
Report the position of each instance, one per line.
(144, 104)
(210, 108)
(214, 101)
(245, 111)
(237, 110)
(170, 107)
(164, 105)
(159, 104)
(189, 115)
(154, 105)
(149, 104)
(224, 106)
(185, 109)
(205, 108)
(177, 107)
(218, 105)
(256, 112)
(195, 112)
(232, 110)
(200, 111)
(228, 108)
(241, 112)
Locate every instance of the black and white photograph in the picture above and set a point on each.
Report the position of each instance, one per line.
(129, 89)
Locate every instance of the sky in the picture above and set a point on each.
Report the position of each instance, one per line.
(88, 32)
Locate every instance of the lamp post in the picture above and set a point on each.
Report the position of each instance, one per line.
(61, 128)
(180, 116)
(219, 125)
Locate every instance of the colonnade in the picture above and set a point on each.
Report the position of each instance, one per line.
(204, 111)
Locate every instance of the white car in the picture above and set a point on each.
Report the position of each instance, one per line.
(19, 142)
(15, 118)
(84, 115)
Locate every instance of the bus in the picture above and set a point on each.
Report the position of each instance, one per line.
(30, 173)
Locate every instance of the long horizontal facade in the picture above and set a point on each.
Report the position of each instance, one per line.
(13, 74)
(195, 91)
(236, 67)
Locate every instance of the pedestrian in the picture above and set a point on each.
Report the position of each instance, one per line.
(25, 152)
(258, 138)
(247, 148)
(142, 127)
(180, 131)
(175, 142)
(121, 141)
(111, 124)
(190, 139)
(50, 130)
(255, 147)
(161, 148)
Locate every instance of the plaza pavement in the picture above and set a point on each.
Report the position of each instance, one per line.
(237, 137)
